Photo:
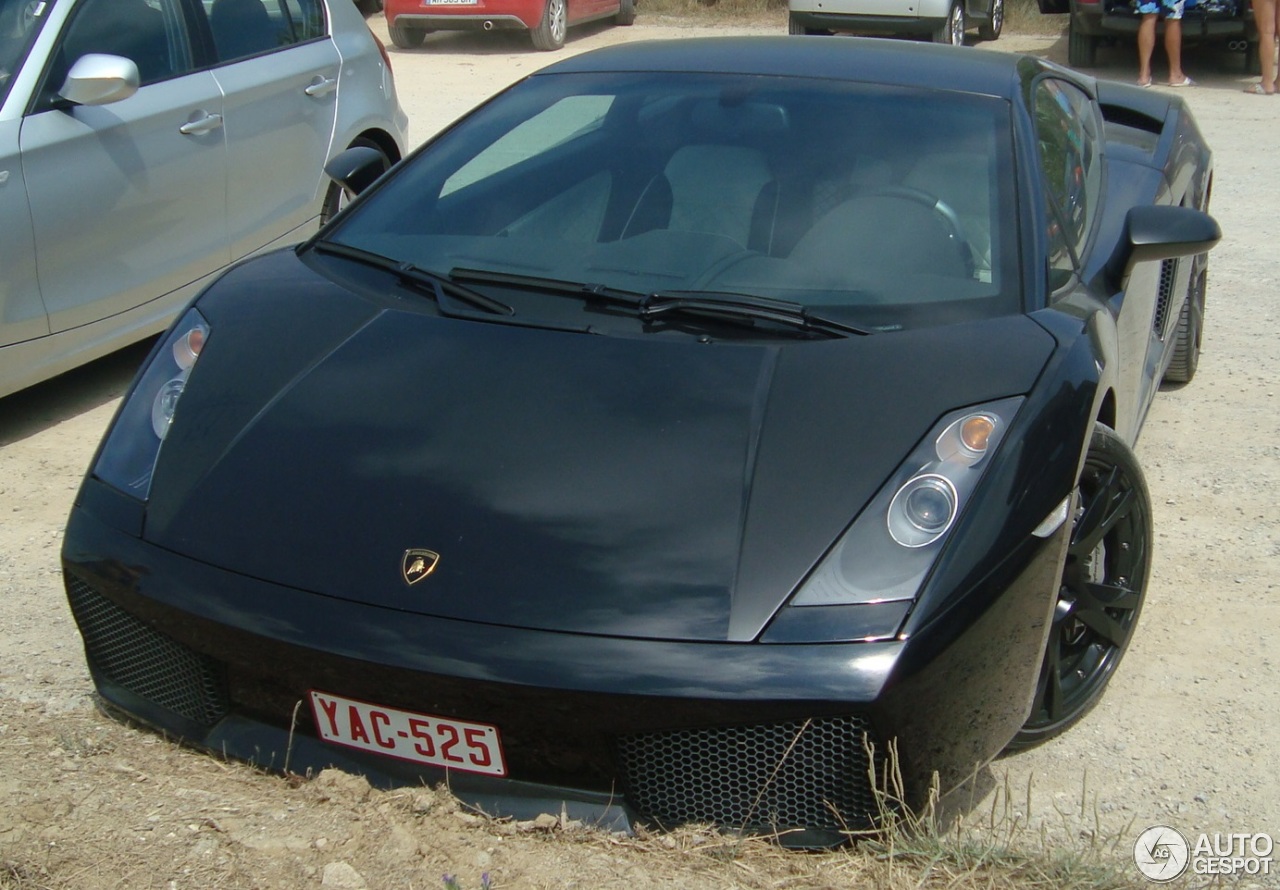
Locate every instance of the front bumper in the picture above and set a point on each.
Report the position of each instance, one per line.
(740, 734)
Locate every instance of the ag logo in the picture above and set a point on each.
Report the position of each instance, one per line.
(417, 564)
(1161, 853)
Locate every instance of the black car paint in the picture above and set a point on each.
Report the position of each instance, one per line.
(952, 685)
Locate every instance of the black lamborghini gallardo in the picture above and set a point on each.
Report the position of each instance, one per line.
(669, 438)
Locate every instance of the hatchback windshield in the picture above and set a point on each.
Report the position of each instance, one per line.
(882, 206)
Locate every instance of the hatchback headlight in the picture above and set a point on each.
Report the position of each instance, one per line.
(886, 553)
(129, 454)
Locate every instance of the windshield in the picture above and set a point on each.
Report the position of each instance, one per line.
(879, 205)
(20, 21)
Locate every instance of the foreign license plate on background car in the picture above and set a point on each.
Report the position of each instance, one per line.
(452, 2)
(470, 747)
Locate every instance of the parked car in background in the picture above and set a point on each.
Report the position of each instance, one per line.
(1098, 22)
(146, 144)
(547, 21)
(942, 21)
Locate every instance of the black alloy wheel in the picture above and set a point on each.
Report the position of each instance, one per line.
(1104, 581)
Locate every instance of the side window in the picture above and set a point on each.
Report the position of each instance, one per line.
(1068, 134)
(152, 33)
(243, 28)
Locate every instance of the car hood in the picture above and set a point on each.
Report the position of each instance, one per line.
(635, 487)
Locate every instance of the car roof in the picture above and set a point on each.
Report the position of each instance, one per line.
(864, 59)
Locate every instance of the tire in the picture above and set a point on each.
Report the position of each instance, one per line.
(1082, 49)
(335, 198)
(626, 13)
(993, 24)
(550, 33)
(407, 36)
(794, 27)
(952, 29)
(1186, 342)
(1104, 580)
(1252, 58)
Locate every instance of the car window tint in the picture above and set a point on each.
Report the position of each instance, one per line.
(544, 131)
(887, 202)
(151, 33)
(243, 28)
(1067, 129)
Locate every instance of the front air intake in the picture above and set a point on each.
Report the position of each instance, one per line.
(123, 650)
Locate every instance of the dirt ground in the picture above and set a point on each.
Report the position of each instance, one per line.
(1188, 735)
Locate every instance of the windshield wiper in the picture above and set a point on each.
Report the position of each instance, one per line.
(587, 291)
(651, 306)
(441, 287)
(744, 306)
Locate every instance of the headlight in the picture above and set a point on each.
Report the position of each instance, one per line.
(885, 555)
(129, 454)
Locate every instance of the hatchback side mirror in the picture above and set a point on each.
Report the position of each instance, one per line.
(97, 79)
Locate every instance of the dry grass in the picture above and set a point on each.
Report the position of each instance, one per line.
(92, 804)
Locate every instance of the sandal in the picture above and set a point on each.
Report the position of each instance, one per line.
(1145, 84)
(1185, 82)
(1257, 90)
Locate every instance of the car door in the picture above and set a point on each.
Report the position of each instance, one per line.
(128, 199)
(278, 70)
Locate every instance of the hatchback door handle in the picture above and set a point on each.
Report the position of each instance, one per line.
(321, 86)
(198, 126)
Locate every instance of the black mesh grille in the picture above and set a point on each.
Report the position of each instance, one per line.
(146, 662)
(802, 774)
(1167, 269)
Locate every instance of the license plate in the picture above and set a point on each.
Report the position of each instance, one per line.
(422, 738)
(451, 2)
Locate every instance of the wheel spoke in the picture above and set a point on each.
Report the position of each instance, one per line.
(1109, 505)
(1091, 610)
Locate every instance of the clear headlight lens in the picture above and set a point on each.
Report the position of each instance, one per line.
(133, 445)
(886, 553)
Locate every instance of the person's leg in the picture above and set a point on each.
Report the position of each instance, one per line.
(1173, 46)
(1146, 46)
(1173, 39)
(1264, 14)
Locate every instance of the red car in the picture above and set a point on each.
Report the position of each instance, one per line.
(409, 21)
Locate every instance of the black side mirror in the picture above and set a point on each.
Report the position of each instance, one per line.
(1163, 233)
(357, 168)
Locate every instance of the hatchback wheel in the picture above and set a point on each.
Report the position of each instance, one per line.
(407, 36)
(550, 33)
(994, 23)
(952, 30)
(1103, 584)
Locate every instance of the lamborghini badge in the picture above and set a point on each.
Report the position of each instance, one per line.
(417, 564)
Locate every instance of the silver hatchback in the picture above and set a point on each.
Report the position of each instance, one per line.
(146, 144)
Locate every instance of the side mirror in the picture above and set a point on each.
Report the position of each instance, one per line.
(357, 168)
(1163, 233)
(97, 79)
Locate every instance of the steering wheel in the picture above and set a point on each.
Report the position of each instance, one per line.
(944, 211)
